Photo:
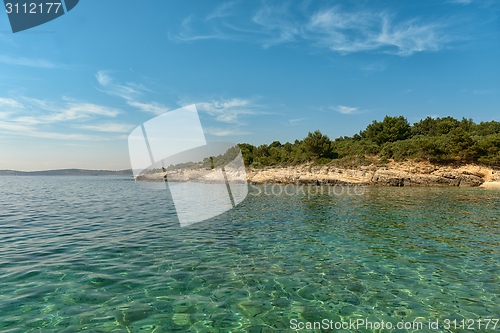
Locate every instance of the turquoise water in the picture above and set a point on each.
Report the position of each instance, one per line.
(105, 255)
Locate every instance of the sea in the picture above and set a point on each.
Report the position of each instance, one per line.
(104, 254)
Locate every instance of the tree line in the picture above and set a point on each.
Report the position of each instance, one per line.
(441, 140)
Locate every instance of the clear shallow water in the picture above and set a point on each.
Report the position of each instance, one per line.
(104, 255)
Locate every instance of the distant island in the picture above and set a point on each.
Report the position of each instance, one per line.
(67, 172)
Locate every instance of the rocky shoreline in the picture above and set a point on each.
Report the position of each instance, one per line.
(391, 174)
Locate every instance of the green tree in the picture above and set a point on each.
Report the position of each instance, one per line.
(248, 152)
(317, 145)
(425, 126)
(391, 129)
(446, 125)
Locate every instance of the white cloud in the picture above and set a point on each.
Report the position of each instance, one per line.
(10, 126)
(345, 109)
(130, 92)
(295, 121)
(223, 10)
(62, 136)
(39, 104)
(40, 118)
(138, 86)
(334, 28)
(349, 32)
(155, 108)
(27, 130)
(110, 87)
(57, 111)
(22, 61)
(109, 127)
(374, 67)
(8, 106)
(103, 78)
(225, 131)
(228, 111)
(275, 22)
(481, 3)
(188, 34)
(73, 111)
(27, 120)
(9, 103)
(4, 115)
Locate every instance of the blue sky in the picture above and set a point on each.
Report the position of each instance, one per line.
(72, 90)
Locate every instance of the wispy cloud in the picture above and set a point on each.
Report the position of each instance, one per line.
(109, 127)
(73, 111)
(374, 67)
(461, 2)
(44, 111)
(295, 121)
(276, 22)
(109, 86)
(345, 109)
(103, 78)
(480, 3)
(224, 10)
(155, 108)
(60, 111)
(4, 115)
(333, 28)
(15, 127)
(348, 32)
(64, 136)
(225, 131)
(9, 103)
(22, 130)
(228, 111)
(29, 62)
(28, 120)
(187, 33)
(33, 117)
(130, 92)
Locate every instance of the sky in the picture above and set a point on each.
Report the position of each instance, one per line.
(73, 89)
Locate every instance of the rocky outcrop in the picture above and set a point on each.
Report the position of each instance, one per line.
(392, 178)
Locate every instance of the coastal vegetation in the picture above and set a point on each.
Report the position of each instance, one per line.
(438, 140)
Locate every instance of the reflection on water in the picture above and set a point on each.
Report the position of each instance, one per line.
(104, 255)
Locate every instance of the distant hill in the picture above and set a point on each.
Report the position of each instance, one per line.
(67, 172)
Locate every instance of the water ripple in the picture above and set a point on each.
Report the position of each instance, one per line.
(104, 255)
